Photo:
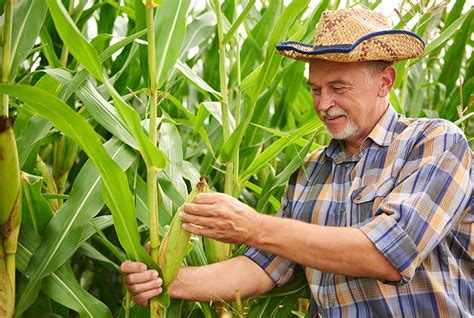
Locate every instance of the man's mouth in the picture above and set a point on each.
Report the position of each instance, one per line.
(333, 117)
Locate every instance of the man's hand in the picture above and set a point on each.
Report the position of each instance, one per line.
(142, 283)
(221, 217)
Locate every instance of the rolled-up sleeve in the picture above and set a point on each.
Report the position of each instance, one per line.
(425, 204)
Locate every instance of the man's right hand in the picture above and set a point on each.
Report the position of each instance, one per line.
(142, 283)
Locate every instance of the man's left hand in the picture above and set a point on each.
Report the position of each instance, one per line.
(221, 217)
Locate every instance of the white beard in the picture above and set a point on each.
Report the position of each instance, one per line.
(351, 129)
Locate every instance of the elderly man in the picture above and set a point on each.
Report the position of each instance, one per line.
(381, 219)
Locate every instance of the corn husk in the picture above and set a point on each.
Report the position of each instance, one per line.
(216, 251)
(174, 246)
(10, 213)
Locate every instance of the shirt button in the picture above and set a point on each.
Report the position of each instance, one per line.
(343, 208)
(347, 165)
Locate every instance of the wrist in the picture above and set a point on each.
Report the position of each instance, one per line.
(257, 229)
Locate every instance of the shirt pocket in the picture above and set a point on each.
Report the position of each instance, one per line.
(366, 200)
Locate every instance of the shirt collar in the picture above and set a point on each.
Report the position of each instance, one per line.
(382, 135)
(383, 132)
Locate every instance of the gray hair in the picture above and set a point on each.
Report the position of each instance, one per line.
(373, 68)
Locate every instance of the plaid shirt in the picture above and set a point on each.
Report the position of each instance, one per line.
(410, 191)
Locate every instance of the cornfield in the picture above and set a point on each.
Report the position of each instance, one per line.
(112, 110)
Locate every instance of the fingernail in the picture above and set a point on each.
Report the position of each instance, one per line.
(184, 226)
(143, 267)
(155, 274)
(159, 281)
(180, 215)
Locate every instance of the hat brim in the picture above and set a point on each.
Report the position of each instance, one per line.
(387, 45)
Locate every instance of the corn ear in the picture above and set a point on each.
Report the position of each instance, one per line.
(49, 185)
(10, 187)
(9, 170)
(174, 246)
(216, 251)
(64, 154)
(10, 213)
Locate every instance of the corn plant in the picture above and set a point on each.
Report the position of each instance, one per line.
(113, 110)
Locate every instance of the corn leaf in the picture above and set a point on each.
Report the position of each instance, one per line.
(170, 31)
(87, 56)
(82, 50)
(195, 79)
(198, 32)
(61, 285)
(230, 33)
(265, 76)
(115, 185)
(283, 177)
(29, 16)
(36, 127)
(452, 63)
(81, 76)
(101, 110)
(446, 34)
(36, 211)
(274, 149)
(151, 154)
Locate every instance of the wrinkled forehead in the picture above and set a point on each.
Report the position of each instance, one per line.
(321, 71)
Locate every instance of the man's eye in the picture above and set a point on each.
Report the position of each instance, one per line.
(316, 91)
(339, 89)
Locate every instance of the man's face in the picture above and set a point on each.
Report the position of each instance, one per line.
(345, 97)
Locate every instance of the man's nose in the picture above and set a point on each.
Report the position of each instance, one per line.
(325, 101)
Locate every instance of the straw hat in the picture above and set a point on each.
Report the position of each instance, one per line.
(354, 35)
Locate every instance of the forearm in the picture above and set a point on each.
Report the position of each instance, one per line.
(220, 281)
(339, 250)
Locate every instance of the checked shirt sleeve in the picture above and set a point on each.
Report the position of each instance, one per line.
(280, 269)
(426, 202)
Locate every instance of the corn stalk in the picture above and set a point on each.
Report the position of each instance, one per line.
(156, 310)
(10, 188)
(65, 50)
(219, 251)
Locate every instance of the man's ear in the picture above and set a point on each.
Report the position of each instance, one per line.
(386, 80)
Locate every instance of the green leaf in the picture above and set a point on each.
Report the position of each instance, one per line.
(64, 231)
(61, 285)
(36, 127)
(255, 188)
(170, 144)
(215, 109)
(453, 58)
(115, 189)
(283, 176)
(82, 50)
(265, 76)
(170, 31)
(28, 16)
(91, 252)
(81, 76)
(195, 79)
(48, 48)
(36, 211)
(101, 110)
(446, 34)
(274, 149)
(151, 154)
(198, 31)
(238, 22)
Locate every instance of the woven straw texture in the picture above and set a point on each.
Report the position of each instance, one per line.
(347, 26)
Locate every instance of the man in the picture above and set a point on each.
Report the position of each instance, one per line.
(382, 219)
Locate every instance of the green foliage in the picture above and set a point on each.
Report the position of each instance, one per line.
(98, 97)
